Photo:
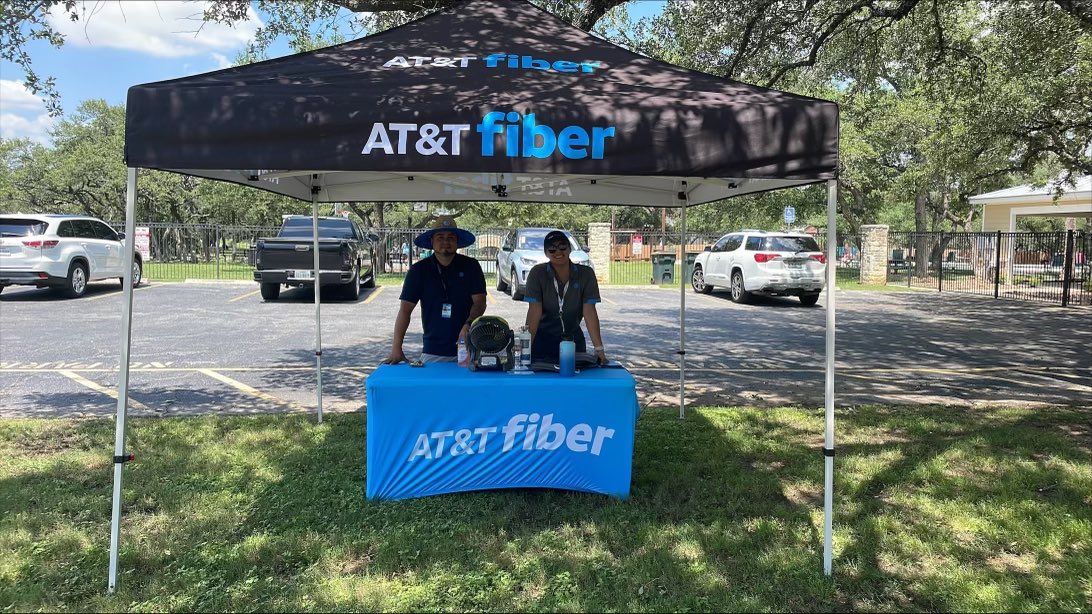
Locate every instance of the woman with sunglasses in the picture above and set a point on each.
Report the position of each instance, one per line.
(560, 294)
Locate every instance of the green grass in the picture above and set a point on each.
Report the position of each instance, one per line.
(937, 509)
(178, 271)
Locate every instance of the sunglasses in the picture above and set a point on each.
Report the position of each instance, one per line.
(563, 247)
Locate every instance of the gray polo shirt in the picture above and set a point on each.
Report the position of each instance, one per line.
(582, 289)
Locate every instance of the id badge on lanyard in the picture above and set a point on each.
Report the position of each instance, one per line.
(561, 291)
(445, 309)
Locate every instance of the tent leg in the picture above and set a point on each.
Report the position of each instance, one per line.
(682, 312)
(318, 290)
(828, 446)
(120, 456)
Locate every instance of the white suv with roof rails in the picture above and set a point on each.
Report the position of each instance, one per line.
(61, 251)
(759, 261)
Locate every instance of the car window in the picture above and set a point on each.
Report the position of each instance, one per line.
(754, 244)
(734, 241)
(532, 239)
(301, 228)
(721, 245)
(103, 231)
(17, 227)
(85, 229)
(790, 244)
(66, 229)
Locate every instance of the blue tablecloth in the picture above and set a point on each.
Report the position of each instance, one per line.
(440, 429)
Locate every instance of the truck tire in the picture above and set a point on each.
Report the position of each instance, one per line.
(351, 290)
(809, 299)
(270, 291)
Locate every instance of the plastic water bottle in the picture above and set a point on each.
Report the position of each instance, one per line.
(567, 353)
(517, 351)
(464, 355)
(525, 346)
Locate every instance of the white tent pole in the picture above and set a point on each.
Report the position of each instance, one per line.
(318, 292)
(120, 457)
(828, 446)
(682, 304)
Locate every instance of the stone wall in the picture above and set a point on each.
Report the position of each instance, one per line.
(599, 243)
(874, 252)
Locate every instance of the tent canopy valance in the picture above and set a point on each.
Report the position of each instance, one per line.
(486, 100)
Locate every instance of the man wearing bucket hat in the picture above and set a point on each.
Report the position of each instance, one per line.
(450, 288)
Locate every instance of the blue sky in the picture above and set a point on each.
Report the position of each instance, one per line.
(121, 44)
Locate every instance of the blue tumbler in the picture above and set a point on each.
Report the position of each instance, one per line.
(567, 363)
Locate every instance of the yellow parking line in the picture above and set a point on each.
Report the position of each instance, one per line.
(371, 297)
(239, 298)
(79, 379)
(607, 300)
(236, 384)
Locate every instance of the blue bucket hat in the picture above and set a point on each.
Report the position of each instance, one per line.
(444, 222)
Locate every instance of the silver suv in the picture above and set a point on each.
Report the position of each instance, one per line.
(521, 250)
(61, 251)
(759, 261)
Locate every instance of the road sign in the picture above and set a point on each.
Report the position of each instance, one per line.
(790, 215)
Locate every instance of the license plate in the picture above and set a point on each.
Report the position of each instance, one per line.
(301, 274)
(795, 264)
(489, 361)
(5, 251)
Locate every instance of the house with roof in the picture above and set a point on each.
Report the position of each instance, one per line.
(1001, 208)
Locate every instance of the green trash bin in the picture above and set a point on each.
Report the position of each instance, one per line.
(691, 258)
(663, 268)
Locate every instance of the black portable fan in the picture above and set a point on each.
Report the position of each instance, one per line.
(490, 344)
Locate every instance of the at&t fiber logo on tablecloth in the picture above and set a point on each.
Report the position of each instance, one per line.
(523, 432)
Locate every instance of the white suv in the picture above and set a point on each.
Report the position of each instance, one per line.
(61, 251)
(749, 261)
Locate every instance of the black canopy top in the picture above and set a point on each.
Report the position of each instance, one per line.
(486, 99)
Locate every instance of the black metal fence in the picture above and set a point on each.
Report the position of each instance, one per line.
(1051, 267)
(200, 251)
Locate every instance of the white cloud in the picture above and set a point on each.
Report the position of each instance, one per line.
(15, 95)
(222, 61)
(36, 128)
(160, 28)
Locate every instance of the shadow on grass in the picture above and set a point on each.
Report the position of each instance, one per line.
(935, 509)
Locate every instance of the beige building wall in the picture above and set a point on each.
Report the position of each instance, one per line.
(998, 216)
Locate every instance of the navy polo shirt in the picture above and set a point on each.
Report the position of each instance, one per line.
(432, 284)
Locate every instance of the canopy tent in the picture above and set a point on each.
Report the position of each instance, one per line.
(485, 100)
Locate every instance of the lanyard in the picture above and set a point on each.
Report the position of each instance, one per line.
(561, 291)
(443, 282)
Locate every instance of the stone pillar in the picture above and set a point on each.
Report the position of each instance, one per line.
(874, 254)
(599, 244)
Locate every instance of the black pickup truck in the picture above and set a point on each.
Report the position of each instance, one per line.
(345, 257)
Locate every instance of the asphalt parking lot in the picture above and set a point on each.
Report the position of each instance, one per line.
(219, 348)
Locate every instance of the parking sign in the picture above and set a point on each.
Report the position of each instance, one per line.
(790, 215)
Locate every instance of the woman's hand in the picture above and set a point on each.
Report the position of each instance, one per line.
(396, 356)
(601, 357)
